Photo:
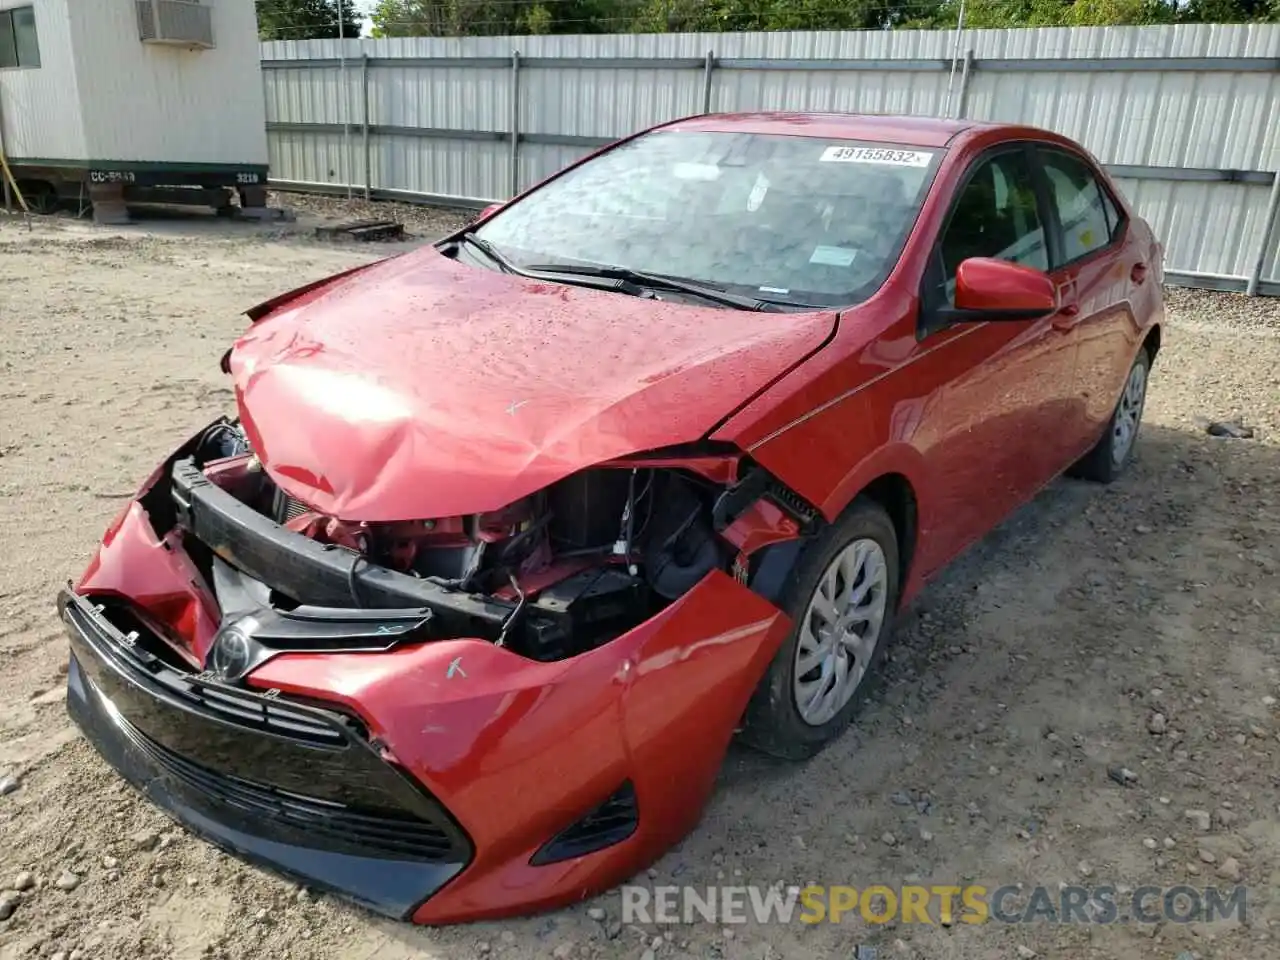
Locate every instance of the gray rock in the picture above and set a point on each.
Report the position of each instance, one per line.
(648, 954)
(1157, 724)
(1229, 430)
(144, 839)
(1207, 856)
(67, 881)
(596, 913)
(24, 880)
(8, 784)
(1025, 952)
(1229, 869)
(563, 950)
(900, 798)
(1122, 775)
(1200, 818)
(9, 901)
(888, 839)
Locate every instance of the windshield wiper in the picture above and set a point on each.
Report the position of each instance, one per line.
(660, 282)
(616, 284)
(489, 250)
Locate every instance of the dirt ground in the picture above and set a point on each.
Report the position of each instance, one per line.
(1031, 667)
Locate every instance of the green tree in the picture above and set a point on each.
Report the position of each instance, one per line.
(721, 15)
(306, 19)
(470, 18)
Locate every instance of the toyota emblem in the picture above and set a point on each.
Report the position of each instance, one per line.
(232, 653)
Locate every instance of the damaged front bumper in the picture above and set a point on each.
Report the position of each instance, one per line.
(285, 785)
(441, 778)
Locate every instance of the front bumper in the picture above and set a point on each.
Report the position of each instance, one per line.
(244, 771)
(507, 757)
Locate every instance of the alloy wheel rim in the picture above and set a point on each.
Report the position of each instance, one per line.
(1128, 413)
(839, 631)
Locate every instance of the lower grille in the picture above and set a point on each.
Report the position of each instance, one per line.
(611, 822)
(265, 764)
(327, 824)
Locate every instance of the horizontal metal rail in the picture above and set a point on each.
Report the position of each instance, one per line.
(1224, 283)
(932, 65)
(1125, 171)
(446, 201)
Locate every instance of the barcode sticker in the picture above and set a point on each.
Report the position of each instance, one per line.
(881, 155)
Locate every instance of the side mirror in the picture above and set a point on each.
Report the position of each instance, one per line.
(990, 289)
(491, 208)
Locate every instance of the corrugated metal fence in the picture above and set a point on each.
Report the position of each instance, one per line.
(1187, 117)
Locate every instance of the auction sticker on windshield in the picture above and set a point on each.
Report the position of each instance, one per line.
(882, 155)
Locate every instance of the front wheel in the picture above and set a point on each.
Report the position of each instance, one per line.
(1112, 453)
(841, 598)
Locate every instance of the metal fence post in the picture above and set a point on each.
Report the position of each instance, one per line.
(364, 115)
(515, 122)
(955, 55)
(962, 101)
(707, 72)
(349, 174)
(1268, 228)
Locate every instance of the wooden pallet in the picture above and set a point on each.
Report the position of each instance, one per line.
(365, 230)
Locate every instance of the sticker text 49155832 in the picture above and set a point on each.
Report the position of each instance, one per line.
(881, 155)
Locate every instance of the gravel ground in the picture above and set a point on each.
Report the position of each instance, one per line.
(1132, 626)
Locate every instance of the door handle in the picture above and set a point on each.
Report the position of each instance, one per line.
(1139, 273)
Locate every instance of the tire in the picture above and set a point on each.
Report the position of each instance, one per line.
(1113, 451)
(777, 722)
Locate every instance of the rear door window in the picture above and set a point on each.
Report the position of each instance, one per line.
(1087, 216)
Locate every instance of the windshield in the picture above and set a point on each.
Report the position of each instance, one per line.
(791, 219)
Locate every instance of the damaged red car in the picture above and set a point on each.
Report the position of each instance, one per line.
(510, 535)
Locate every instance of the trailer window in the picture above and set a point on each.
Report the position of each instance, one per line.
(19, 46)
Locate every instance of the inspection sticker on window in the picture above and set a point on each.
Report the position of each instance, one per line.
(833, 256)
(881, 155)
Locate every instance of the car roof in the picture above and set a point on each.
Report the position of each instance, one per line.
(876, 128)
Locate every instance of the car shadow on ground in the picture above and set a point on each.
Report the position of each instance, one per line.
(1181, 473)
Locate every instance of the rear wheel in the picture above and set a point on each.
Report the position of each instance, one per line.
(841, 598)
(1113, 451)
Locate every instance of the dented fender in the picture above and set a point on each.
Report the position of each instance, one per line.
(478, 724)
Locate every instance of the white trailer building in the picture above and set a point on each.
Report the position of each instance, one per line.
(133, 100)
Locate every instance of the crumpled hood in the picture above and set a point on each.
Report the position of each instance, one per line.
(422, 387)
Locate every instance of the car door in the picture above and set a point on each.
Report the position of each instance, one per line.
(1097, 266)
(1009, 384)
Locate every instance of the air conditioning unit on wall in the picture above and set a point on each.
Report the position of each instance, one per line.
(178, 23)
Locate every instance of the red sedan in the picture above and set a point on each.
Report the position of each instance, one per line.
(457, 616)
